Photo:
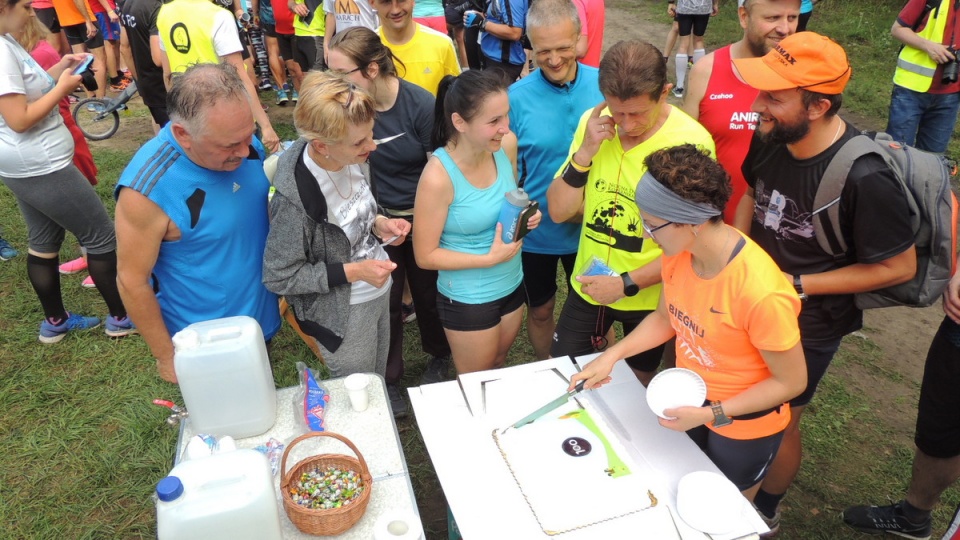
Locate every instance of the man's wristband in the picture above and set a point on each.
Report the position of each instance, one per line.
(798, 286)
(573, 177)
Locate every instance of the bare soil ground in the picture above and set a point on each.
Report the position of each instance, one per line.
(898, 337)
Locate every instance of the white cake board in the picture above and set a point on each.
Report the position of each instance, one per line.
(482, 494)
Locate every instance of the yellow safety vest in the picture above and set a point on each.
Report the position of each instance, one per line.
(186, 28)
(915, 68)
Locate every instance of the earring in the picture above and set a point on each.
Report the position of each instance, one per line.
(694, 232)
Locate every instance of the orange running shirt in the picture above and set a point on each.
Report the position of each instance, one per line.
(69, 15)
(723, 323)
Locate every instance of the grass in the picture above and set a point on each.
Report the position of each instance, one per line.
(85, 446)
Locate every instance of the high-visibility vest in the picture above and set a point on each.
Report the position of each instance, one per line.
(186, 28)
(915, 68)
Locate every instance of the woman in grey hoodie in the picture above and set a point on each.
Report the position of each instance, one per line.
(325, 247)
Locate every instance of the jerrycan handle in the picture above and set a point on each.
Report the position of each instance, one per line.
(223, 334)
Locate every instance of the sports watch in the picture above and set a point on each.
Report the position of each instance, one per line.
(719, 418)
(629, 287)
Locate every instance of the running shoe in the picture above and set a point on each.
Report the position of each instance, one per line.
(119, 327)
(772, 523)
(678, 92)
(95, 107)
(397, 404)
(889, 519)
(120, 86)
(72, 99)
(52, 333)
(88, 283)
(77, 265)
(7, 251)
(436, 371)
(294, 96)
(408, 312)
(282, 98)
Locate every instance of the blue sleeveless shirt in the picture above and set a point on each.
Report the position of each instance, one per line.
(470, 228)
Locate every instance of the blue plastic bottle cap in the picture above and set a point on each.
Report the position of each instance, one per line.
(169, 489)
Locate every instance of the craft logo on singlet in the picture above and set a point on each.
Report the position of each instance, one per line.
(576, 446)
(180, 38)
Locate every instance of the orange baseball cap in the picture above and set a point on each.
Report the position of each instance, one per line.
(803, 60)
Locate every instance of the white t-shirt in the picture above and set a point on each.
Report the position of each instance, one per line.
(351, 202)
(47, 146)
(226, 37)
(350, 13)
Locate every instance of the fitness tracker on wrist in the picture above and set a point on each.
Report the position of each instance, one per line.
(798, 286)
(719, 418)
(629, 287)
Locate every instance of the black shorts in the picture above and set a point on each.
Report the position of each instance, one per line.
(48, 16)
(269, 30)
(743, 462)
(305, 53)
(938, 424)
(453, 16)
(285, 43)
(159, 115)
(582, 327)
(77, 35)
(696, 23)
(540, 275)
(818, 356)
(245, 42)
(472, 317)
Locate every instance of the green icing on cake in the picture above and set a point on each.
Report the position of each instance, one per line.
(617, 466)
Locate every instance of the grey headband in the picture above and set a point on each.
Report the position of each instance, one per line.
(655, 198)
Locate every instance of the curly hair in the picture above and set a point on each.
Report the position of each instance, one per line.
(691, 173)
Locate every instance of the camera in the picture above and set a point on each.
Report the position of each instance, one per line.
(88, 80)
(950, 69)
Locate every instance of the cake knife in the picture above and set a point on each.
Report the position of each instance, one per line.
(548, 407)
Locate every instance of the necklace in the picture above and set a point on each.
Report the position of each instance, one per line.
(349, 182)
(837, 135)
(723, 252)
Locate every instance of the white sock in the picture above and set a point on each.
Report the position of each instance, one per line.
(698, 54)
(681, 70)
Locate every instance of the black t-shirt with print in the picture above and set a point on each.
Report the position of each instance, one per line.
(139, 17)
(874, 221)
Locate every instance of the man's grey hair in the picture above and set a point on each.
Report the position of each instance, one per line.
(198, 89)
(545, 13)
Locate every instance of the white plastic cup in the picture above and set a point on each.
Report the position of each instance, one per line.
(356, 385)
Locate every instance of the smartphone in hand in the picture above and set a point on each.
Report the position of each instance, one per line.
(84, 64)
(525, 216)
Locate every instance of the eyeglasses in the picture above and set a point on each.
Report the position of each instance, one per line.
(344, 73)
(350, 92)
(650, 231)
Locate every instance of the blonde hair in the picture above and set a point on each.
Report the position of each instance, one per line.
(328, 105)
(32, 34)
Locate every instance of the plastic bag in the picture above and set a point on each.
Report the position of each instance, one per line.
(310, 401)
(596, 267)
(273, 449)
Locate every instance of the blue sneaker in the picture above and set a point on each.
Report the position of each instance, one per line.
(52, 333)
(294, 96)
(119, 327)
(282, 98)
(6, 250)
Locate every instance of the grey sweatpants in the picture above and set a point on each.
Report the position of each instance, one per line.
(365, 346)
(61, 200)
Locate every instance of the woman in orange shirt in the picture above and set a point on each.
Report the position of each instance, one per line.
(732, 310)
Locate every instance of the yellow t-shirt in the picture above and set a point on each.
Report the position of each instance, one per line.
(317, 26)
(611, 228)
(723, 323)
(427, 58)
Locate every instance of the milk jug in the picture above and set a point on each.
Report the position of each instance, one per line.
(225, 377)
(228, 496)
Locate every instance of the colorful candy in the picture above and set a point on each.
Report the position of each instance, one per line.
(327, 488)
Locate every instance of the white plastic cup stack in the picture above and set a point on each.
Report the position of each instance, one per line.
(356, 385)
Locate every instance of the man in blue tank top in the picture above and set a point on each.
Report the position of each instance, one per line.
(191, 216)
(545, 108)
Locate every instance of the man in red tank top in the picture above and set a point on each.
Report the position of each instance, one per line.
(718, 97)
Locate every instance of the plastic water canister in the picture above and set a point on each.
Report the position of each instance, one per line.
(223, 496)
(225, 377)
(513, 203)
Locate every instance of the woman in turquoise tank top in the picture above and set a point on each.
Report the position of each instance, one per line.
(458, 203)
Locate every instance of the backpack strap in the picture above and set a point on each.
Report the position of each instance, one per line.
(826, 204)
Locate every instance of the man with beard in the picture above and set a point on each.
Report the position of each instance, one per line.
(718, 97)
(545, 108)
(596, 184)
(801, 81)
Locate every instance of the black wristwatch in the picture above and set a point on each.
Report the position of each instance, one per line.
(719, 418)
(629, 287)
(798, 286)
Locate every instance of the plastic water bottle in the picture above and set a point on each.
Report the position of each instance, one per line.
(513, 203)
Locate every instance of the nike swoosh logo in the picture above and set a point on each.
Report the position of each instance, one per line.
(717, 312)
(388, 139)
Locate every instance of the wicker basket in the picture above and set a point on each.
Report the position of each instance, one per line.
(331, 521)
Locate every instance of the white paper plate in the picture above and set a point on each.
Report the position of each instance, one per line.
(709, 502)
(675, 387)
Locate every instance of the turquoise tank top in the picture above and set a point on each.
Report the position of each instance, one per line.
(470, 227)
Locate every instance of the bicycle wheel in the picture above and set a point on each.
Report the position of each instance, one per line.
(93, 121)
